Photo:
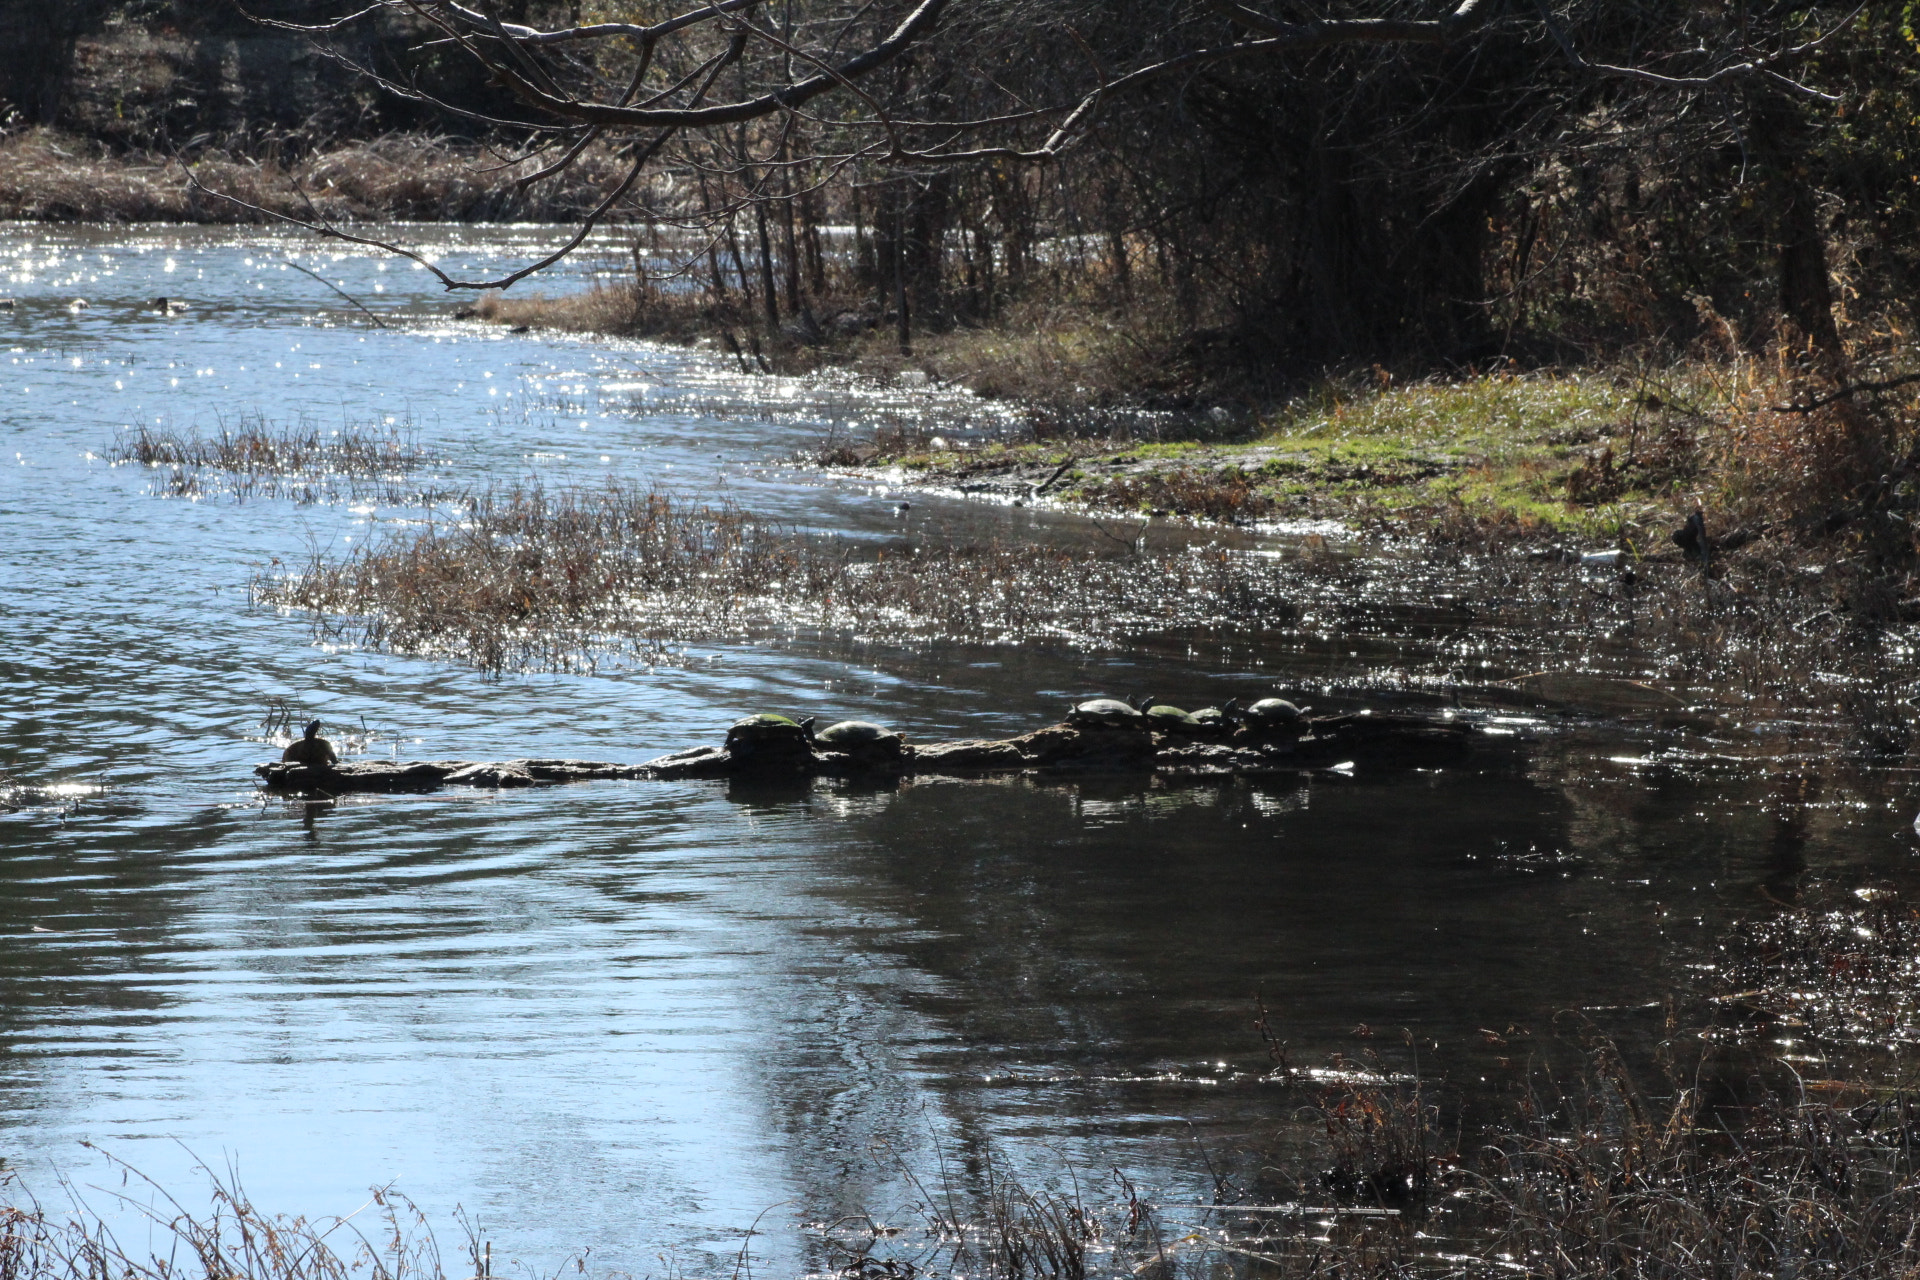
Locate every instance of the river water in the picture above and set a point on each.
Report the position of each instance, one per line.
(632, 1019)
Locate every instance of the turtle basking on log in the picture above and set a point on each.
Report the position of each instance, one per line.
(772, 743)
(1100, 735)
(1273, 714)
(861, 741)
(310, 748)
(1105, 713)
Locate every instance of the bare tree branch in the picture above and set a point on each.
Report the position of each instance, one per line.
(615, 82)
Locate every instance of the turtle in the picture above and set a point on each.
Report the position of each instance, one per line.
(852, 736)
(768, 735)
(1166, 719)
(1105, 713)
(1274, 713)
(860, 741)
(310, 749)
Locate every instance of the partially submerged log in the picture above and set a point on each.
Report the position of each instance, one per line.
(431, 775)
(1363, 738)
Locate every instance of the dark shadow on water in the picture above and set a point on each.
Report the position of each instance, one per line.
(769, 793)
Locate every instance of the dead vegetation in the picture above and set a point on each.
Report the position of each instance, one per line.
(231, 1239)
(1842, 977)
(531, 577)
(1226, 496)
(304, 463)
(53, 177)
(538, 578)
(621, 310)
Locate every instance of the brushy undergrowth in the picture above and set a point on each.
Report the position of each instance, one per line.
(539, 578)
(303, 463)
(621, 310)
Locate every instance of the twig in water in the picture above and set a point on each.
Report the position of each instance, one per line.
(743, 1265)
(337, 289)
(1058, 471)
(1132, 544)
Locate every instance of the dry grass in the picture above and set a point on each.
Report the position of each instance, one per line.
(230, 1240)
(533, 578)
(1845, 978)
(48, 176)
(1602, 1181)
(1057, 350)
(892, 435)
(261, 459)
(622, 310)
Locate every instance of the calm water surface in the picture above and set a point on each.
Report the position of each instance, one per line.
(632, 1017)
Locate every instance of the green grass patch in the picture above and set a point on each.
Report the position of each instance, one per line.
(1581, 455)
(1481, 413)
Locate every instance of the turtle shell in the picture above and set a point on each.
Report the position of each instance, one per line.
(1165, 717)
(854, 733)
(766, 730)
(1106, 711)
(1209, 716)
(1272, 711)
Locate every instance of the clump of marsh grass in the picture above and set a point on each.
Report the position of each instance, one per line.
(231, 1239)
(1590, 1178)
(537, 578)
(1602, 1180)
(622, 308)
(303, 463)
(891, 437)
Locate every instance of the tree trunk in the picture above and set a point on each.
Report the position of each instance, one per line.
(768, 295)
(1783, 132)
(739, 261)
(903, 327)
(1806, 290)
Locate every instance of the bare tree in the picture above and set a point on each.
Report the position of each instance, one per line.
(731, 105)
(745, 77)
(709, 71)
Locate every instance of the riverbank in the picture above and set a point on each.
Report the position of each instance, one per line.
(1604, 459)
(50, 176)
(1786, 467)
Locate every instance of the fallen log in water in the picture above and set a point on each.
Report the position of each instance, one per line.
(772, 747)
(431, 775)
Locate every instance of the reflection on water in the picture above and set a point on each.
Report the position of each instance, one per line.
(631, 1017)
